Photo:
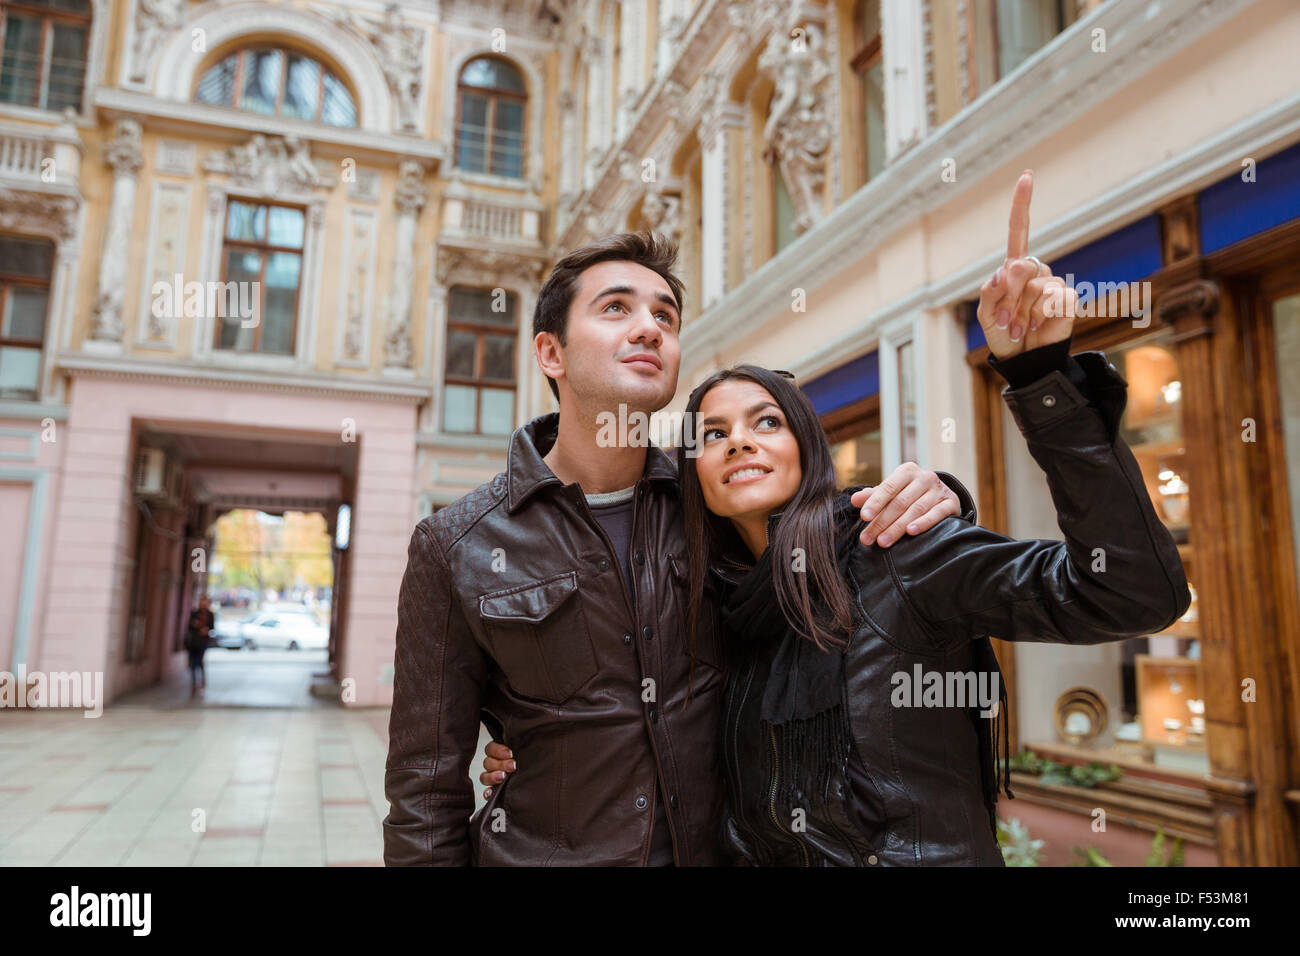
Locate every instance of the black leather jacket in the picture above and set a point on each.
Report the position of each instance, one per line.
(911, 794)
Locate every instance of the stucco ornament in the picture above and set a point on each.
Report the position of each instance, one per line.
(797, 133)
(154, 19)
(400, 49)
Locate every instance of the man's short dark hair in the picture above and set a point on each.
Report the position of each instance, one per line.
(653, 250)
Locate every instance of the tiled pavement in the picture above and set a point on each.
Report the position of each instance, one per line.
(163, 780)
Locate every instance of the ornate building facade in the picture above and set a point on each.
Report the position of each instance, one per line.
(394, 180)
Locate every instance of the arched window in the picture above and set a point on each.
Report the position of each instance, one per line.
(490, 101)
(278, 82)
(44, 44)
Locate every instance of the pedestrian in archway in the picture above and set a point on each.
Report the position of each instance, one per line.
(196, 642)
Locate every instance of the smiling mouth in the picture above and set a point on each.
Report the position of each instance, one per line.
(746, 475)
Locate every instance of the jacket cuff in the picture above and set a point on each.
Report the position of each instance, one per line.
(1028, 367)
(1089, 380)
(964, 499)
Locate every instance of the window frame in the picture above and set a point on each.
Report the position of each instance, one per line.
(868, 53)
(492, 93)
(48, 17)
(241, 58)
(7, 281)
(263, 248)
(481, 330)
(860, 417)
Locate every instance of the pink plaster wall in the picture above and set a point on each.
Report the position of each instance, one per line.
(89, 593)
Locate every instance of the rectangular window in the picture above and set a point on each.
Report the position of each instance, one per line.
(1152, 685)
(1023, 28)
(856, 448)
(1162, 704)
(868, 64)
(257, 308)
(43, 53)
(25, 269)
(479, 394)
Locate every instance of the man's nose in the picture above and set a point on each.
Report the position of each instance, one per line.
(645, 328)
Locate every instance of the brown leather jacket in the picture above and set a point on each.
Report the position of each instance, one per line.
(513, 611)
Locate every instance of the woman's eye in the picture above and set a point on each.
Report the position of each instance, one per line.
(776, 422)
(711, 431)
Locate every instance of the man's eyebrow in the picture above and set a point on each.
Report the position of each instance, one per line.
(749, 412)
(662, 296)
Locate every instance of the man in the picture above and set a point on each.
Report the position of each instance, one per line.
(549, 604)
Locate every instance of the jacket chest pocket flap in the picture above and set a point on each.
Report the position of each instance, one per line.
(539, 637)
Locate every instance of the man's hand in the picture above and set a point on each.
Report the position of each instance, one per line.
(1022, 306)
(909, 501)
(497, 762)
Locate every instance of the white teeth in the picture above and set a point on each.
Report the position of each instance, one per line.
(744, 472)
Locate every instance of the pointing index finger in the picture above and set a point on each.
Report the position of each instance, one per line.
(1018, 229)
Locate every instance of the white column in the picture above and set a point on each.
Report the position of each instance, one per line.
(903, 53)
(714, 187)
(124, 156)
(409, 199)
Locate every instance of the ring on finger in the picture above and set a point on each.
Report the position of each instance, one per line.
(1038, 262)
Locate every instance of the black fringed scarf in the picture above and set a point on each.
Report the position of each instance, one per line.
(804, 699)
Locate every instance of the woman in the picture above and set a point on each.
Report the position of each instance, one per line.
(860, 679)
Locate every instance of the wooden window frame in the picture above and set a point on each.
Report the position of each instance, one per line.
(493, 94)
(49, 17)
(480, 331)
(263, 248)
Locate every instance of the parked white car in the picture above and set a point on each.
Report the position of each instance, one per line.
(288, 629)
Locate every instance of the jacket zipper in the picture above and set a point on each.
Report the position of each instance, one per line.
(734, 726)
(776, 777)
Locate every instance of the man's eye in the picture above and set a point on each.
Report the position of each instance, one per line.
(618, 304)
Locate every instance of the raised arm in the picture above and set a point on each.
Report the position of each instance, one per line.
(1117, 574)
(438, 676)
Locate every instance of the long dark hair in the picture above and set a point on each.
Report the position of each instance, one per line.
(815, 602)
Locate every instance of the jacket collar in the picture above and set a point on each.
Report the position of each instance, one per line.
(526, 472)
(728, 571)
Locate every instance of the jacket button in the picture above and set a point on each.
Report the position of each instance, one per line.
(649, 632)
(654, 716)
(872, 859)
(603, 564)
(641, 802)
(640, 557)
(1049, 400)
(627, 638)
(672, 801)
